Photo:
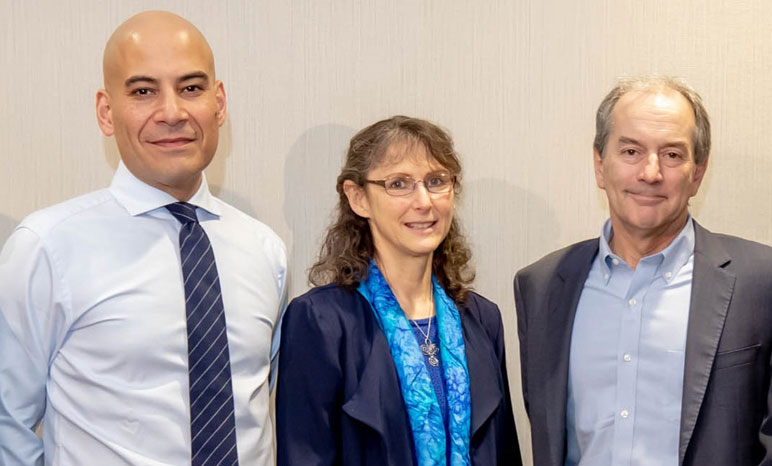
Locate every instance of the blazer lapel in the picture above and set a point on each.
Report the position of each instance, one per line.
(712, 288)
(374, 399)
(485, 397)
(555, 343)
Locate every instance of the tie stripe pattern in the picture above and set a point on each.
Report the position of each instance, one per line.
(212, 421)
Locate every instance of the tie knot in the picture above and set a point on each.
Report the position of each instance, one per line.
(184, 212)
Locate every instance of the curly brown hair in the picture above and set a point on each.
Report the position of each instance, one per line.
(348, 244)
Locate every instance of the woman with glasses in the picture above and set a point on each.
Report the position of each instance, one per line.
(392, 360)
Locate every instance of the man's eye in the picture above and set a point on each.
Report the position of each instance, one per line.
(141, 91)
(673, 155)
(192, 88)
(630, 152)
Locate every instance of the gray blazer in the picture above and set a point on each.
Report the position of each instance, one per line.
(725, 414)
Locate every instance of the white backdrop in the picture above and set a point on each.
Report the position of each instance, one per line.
(516, 83)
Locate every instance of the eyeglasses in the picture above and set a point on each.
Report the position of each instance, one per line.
(440, 182)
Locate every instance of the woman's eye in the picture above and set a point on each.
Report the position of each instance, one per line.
(398, 183)
(436, 181)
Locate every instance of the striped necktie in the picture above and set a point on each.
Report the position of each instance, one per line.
(212, 421)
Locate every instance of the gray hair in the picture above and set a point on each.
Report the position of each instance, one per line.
(654, 83)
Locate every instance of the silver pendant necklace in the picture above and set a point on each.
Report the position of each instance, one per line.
(429, 349)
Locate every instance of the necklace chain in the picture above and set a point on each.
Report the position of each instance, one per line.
(428, 328)
(429, 349)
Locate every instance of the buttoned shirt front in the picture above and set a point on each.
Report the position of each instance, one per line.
(93, 335)
(627, 354)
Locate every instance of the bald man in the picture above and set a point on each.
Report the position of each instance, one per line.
(137, 321)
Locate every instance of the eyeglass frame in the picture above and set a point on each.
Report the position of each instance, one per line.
(382, 183)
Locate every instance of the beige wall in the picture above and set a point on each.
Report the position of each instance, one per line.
(516, 82)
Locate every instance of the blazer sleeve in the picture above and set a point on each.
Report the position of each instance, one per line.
(511, 446)
(309, 387)
(765, 432)
(508, 448)
(522, 335)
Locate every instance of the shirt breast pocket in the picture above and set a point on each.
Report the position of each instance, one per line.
(736, 357)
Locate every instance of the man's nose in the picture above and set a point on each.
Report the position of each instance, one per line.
(651, 170)
(171, 109)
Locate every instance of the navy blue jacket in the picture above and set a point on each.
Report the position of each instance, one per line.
(338, 397)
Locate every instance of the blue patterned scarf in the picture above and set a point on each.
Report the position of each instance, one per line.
(415, 382)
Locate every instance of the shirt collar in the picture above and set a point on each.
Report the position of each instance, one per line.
(674, 256)
(138, 197)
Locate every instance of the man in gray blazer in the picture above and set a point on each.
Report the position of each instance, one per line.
(651, 344)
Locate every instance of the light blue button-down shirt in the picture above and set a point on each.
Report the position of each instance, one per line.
(626, 365)
(93, 337)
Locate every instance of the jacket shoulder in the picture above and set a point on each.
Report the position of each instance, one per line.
(740, 255)
(327, 295)
(480, 303)
(747, 249)
(330, 303)
(546, 267)
(484, 310)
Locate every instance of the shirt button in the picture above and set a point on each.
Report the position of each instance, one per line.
(627, 357)
(625, 414)
(668, 274)
(605, 276)
(615, 261)
(631, 302)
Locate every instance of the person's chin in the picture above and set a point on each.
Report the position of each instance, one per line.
(646, 221)
(425, 246)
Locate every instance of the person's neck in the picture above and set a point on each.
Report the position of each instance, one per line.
(633, 245)
(410, 279)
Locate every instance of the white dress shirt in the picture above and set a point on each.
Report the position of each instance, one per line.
(93, 337)
(626, 365)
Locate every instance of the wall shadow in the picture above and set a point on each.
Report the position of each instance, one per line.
(508, 228)
(215, 172)
(310, 172)
(7, 225)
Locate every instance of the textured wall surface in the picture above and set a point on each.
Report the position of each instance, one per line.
(515, 82)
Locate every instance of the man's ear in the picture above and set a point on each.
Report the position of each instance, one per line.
(222, 104)
(357, 198)
(699, 174)
(597, 161)
(104, 112)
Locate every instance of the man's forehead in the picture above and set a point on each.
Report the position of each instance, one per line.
(156, 42)
(664, 105)
(657, 98)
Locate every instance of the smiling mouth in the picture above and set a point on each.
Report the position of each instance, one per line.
(172, 142)
(420, 225)
(647, 199)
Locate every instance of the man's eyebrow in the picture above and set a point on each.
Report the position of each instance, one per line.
(194, 75)
(677, 144)
(626, 140)
(139, 79)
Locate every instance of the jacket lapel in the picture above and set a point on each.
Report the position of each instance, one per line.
(485, 397)
(555, 343)
(373, 401)
(378, 388)
(712, 288)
